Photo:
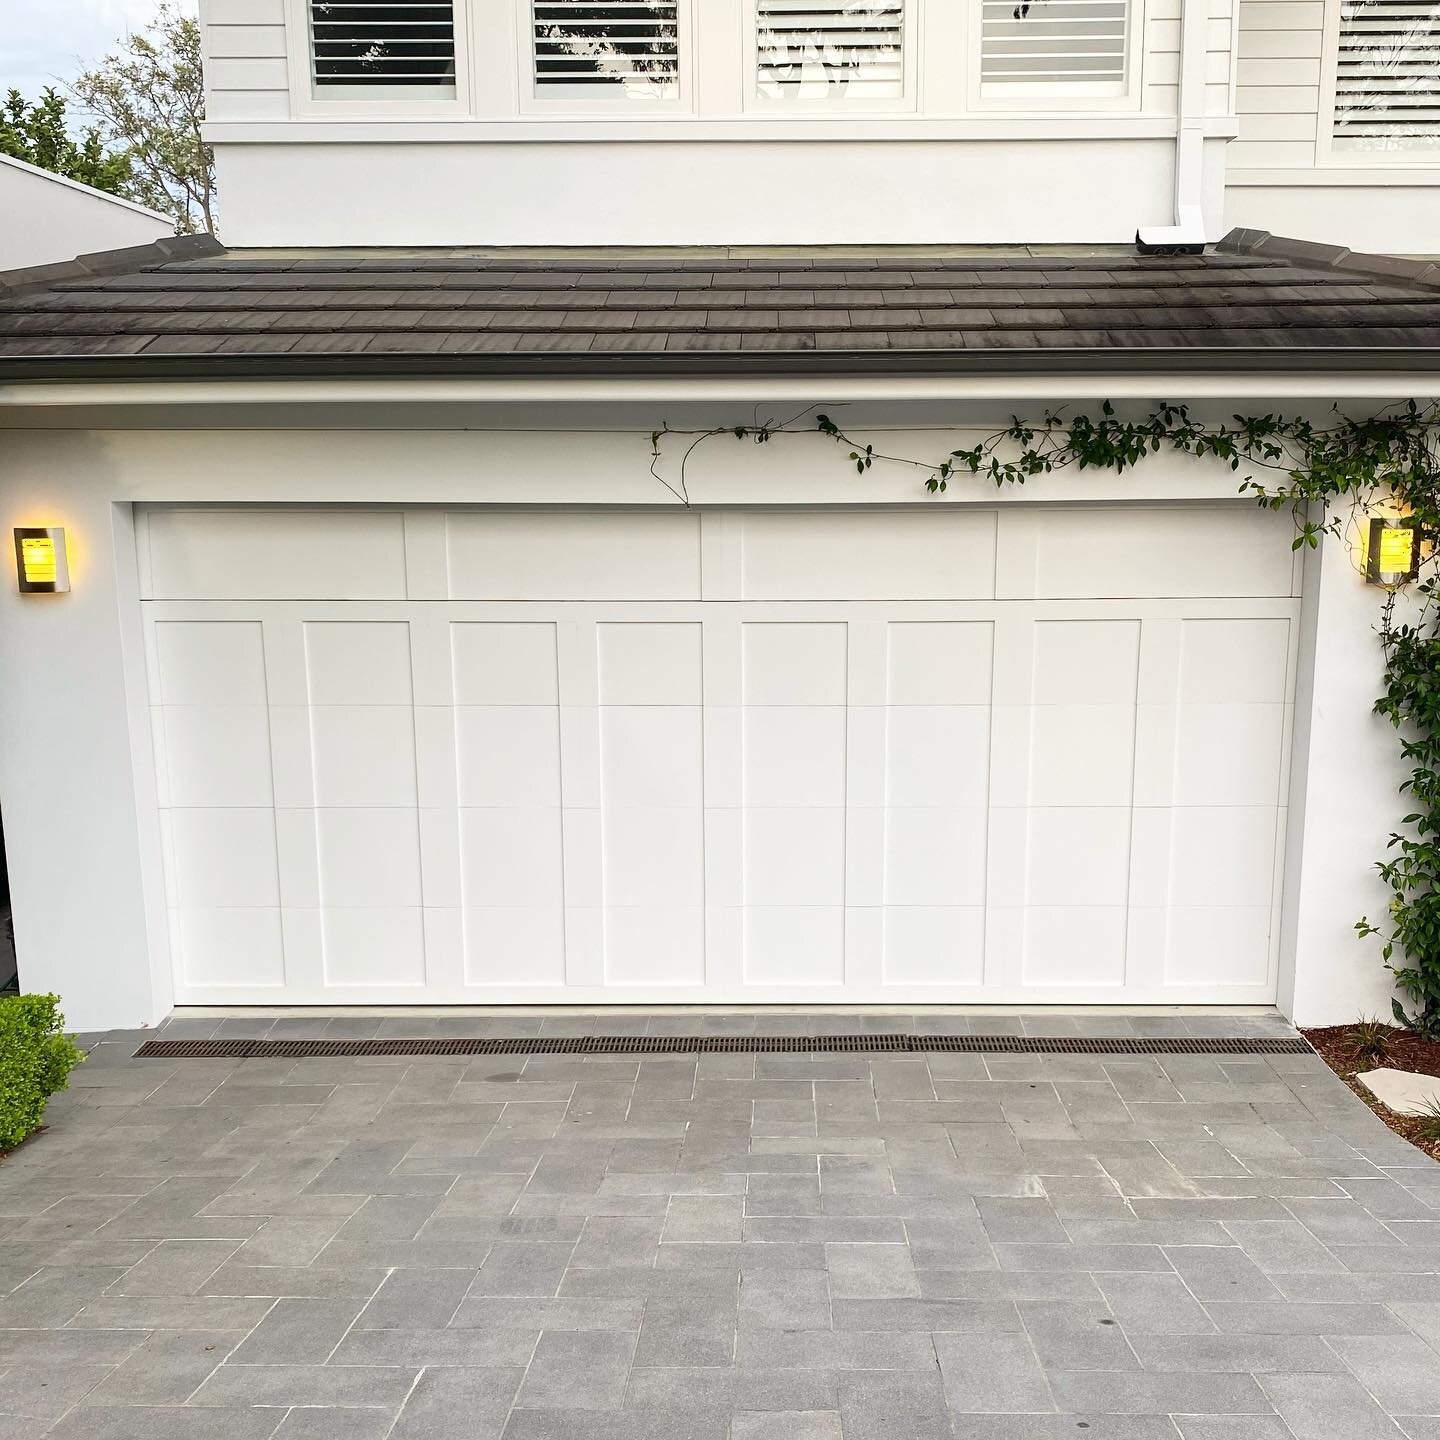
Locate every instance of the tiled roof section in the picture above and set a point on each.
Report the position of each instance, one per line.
(1252, 293)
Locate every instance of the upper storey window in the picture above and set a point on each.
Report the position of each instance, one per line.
(1387, 76)
(810, 53)
(359, 47)
(590, 51)
(1034, 48)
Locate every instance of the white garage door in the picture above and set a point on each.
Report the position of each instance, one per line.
(1027, 754)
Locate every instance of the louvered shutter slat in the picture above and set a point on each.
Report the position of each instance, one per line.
(1054, 42)
(370, 43)
(811, 52)
(1387, 80)
(632, 45)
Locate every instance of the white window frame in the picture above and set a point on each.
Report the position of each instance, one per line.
(1332, 155)
(390, 102)
(1087, 96)
(907, 102)
(564, 101)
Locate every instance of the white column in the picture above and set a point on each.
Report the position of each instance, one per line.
(1344, 802)
(83, 853)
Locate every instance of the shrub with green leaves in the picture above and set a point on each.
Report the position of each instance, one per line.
(36, 1058)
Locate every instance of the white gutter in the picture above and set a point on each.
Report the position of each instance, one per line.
(1174, 385)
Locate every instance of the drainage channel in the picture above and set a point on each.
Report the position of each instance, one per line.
(877, 1044)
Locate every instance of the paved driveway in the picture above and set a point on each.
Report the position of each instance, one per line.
(748, 1246)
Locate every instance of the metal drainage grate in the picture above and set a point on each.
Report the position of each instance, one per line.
(877, 1044)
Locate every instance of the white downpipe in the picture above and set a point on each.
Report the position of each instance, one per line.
(1188, 230)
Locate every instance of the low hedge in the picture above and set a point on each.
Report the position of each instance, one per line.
(36, 1058)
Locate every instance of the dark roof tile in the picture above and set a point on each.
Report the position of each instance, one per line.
(180, 299)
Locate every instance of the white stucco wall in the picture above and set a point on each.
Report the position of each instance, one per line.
(76, 781)
(45, 218)
(688, 192)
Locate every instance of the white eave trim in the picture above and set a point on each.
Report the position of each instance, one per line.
(1177, 386)
(1085, 125)
(117, 200)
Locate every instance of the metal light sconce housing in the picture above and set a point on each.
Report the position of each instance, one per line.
(41, 565)
(1392, 557)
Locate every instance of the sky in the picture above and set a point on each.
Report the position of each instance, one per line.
(49, 42)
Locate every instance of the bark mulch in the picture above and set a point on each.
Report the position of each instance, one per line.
(1350, 1049)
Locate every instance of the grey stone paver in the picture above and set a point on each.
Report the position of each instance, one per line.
(741, 1247)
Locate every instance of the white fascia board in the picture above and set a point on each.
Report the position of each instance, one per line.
(1177, 386)
(90, 190)
(1067, 126)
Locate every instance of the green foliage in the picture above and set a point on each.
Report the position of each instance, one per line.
(149, 98)
(1427, 1123)
(1326, 476)
(36, 1058)
(39, 135)
(1369, 1039)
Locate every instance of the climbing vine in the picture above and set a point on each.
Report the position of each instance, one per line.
(1328, 476)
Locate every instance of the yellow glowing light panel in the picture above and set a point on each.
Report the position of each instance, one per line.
(37, 561)
(40, 562)
(1396, 551)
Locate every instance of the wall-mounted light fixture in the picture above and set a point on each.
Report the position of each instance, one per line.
(1392, 556)
(40, 562)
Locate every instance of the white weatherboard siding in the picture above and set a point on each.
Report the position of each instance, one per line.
(497, 756)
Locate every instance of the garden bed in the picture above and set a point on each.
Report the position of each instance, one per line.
(1350, 1049)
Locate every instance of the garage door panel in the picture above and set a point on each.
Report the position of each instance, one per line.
(1077, 855)
(374, 947)
(795, 857)
(222, 858)
(934, 945)
(824, 798)
(935, 856)
(511, 945)
(358, 662)
(795, 664)
(363, 755)
(655, 945)
(504, 662)
(1081, 948)
(944, 662)
(564, 555)
(512, 857)
(937, 754)
(653, 755)
(654, 857)
(368, 857)
(1218, 945)
(250, 554)
(209, 662)
(1081, 755)
(1112, 553)
(644, 663)
(1229, 754)
(868, 555)
(241, 948)
(794, 945)
(508, 754)
(216, 755)
(795, 755)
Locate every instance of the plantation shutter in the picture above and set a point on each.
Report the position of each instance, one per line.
(367, 42)
(1053, 42)
(1387, 82)
(633, 44)
(854, 49)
